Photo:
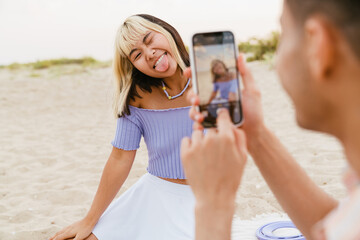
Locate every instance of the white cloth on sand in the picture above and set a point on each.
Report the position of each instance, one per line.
(155, 209)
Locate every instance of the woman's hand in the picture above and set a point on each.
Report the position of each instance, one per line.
(251, 103)
(78, 230)
(214, 163)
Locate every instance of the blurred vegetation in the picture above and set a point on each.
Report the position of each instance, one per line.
(260, 49)
(35, 75)
(14, 66)
(43, 64)
(86, 61)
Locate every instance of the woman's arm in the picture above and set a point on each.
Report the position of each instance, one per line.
(114, 175)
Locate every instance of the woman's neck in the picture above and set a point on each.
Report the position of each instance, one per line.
(223, 78)
(177, 82)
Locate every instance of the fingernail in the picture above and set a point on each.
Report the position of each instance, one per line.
(197, 117)
(193, 100)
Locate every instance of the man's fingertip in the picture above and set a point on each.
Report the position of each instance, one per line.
(185, 140)
(193, 100)
(223, 116)
(221, 111)
(187, 72)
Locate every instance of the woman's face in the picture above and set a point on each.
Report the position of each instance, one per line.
(152, 56)
(219, 69)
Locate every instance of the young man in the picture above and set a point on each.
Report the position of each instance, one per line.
(319, 67)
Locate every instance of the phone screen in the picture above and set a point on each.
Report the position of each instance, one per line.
(217, 78)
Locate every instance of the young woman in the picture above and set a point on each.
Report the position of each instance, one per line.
(224, 81)
(150, 102)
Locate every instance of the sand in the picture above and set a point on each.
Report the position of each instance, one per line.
(56, 128)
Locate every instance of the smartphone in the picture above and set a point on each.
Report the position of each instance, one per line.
(215, 76)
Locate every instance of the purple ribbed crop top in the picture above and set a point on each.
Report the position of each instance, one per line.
(162, 131)
(226, 87)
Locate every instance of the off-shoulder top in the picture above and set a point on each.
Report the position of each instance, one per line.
(162, 131)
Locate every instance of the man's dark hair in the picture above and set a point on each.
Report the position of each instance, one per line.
(344, 14)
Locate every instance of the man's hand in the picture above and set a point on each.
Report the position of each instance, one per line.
(214, 163)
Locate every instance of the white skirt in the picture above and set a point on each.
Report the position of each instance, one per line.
(152, 209)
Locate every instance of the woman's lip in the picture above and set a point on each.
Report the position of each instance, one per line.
(158, 59)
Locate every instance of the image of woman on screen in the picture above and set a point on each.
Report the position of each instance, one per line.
(224, 82)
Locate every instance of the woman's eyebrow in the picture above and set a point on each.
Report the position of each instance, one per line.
(144, 40)
(145, 37)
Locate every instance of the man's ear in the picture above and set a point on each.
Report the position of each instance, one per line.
(319, 47)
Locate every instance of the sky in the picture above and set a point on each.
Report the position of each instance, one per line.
(33, 30)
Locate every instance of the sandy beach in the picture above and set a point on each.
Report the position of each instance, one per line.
(56, 129)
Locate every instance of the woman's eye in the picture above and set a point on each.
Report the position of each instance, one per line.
(138, 55)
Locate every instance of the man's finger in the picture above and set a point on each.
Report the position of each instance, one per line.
(190, 95)
(223, 122)
(193, 98)
(198, 126)
(187, 72)
(196, 137)
(240, 140)
(210, 132)
(245, 73)
(195, 115)
(192, 113)
(185, 145)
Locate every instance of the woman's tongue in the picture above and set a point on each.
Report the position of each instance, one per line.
(163, 65)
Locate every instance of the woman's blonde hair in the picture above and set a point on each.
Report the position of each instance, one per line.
(126, 75)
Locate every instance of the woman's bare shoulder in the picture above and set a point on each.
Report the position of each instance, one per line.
(139, 101)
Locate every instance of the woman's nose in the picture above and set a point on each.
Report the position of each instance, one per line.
(150, 53)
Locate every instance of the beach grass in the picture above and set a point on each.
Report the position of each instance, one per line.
(260, 49)
(49, 63)
(35, 75)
